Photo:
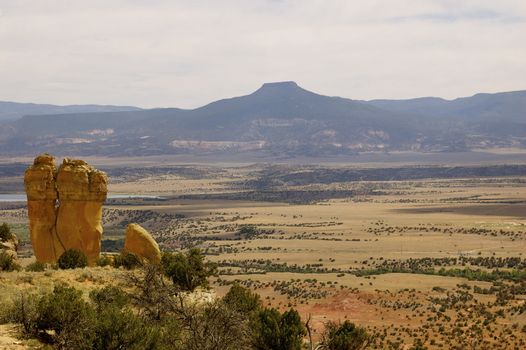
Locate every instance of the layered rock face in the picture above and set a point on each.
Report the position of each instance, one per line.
(139, 242)
(81, 192)
(39, 180)
(64, 207)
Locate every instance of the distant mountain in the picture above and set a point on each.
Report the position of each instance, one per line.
(14, 110)
(281, 119)
(504, 106)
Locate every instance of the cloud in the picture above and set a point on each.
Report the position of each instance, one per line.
(187, 53)
(474, 15)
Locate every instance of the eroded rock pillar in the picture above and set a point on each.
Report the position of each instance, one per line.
(39, 180)
(81, 191)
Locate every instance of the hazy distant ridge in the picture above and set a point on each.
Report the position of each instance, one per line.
(14, 110)
(280, 119)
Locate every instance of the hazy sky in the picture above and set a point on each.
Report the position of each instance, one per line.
(188, 53)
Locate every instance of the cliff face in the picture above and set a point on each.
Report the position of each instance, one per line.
(64, 207)
(39, 180)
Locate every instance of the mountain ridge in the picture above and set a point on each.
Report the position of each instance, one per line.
(10, 110)
(281, 118)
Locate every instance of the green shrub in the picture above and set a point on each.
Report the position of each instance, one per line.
(248, 231)
(5, 232)
(242, 300)
(63, 319)
(188, 270)
(36, 267)
(345, 336)
(109, 296)
(68, 316)
(118, 328)
(24, 312)
(8, 262)
(215, 326)
(72, 259)
(104, 260)
(127, 260)
(276, 331)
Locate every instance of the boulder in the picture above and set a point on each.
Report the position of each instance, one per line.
(64, 207)
(139, 242)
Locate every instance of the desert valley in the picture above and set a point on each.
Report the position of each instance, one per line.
(263, 175)
(418, 255)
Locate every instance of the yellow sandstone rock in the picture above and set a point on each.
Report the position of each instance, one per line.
(139, 242)
(81, 191)
(64, 207)
(39, 180)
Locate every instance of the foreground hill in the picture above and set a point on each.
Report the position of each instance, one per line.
(281, 119)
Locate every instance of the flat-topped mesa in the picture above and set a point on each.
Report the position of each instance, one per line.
(81, 192)
(39, 181)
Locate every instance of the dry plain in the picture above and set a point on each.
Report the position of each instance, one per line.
(432, 260)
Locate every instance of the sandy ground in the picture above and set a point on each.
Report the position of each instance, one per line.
(10, 339)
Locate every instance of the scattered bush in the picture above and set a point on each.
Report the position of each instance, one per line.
(188, 270)
(345, 336)
(127, 260)
(8, 262)
(276, 331)
(5, 233)
(215, 326)
(68, 316)
(156, 316)
(242, 300)
(36, 267)
(153, 295)
(62, 318)
(109, 296)
(24, 312)
(119, 328)
(104, 260)
(249, 231)
(124, 330)
(72, 259)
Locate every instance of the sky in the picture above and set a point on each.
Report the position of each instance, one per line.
(170, 53)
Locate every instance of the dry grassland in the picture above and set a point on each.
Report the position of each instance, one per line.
(324, 257)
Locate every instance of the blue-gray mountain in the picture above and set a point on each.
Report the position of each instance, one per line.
(14, 110)
(282, 119)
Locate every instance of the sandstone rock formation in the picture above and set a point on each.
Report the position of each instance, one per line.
(139, 242)
(39, 180)
(64, 207)
(81, 192)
